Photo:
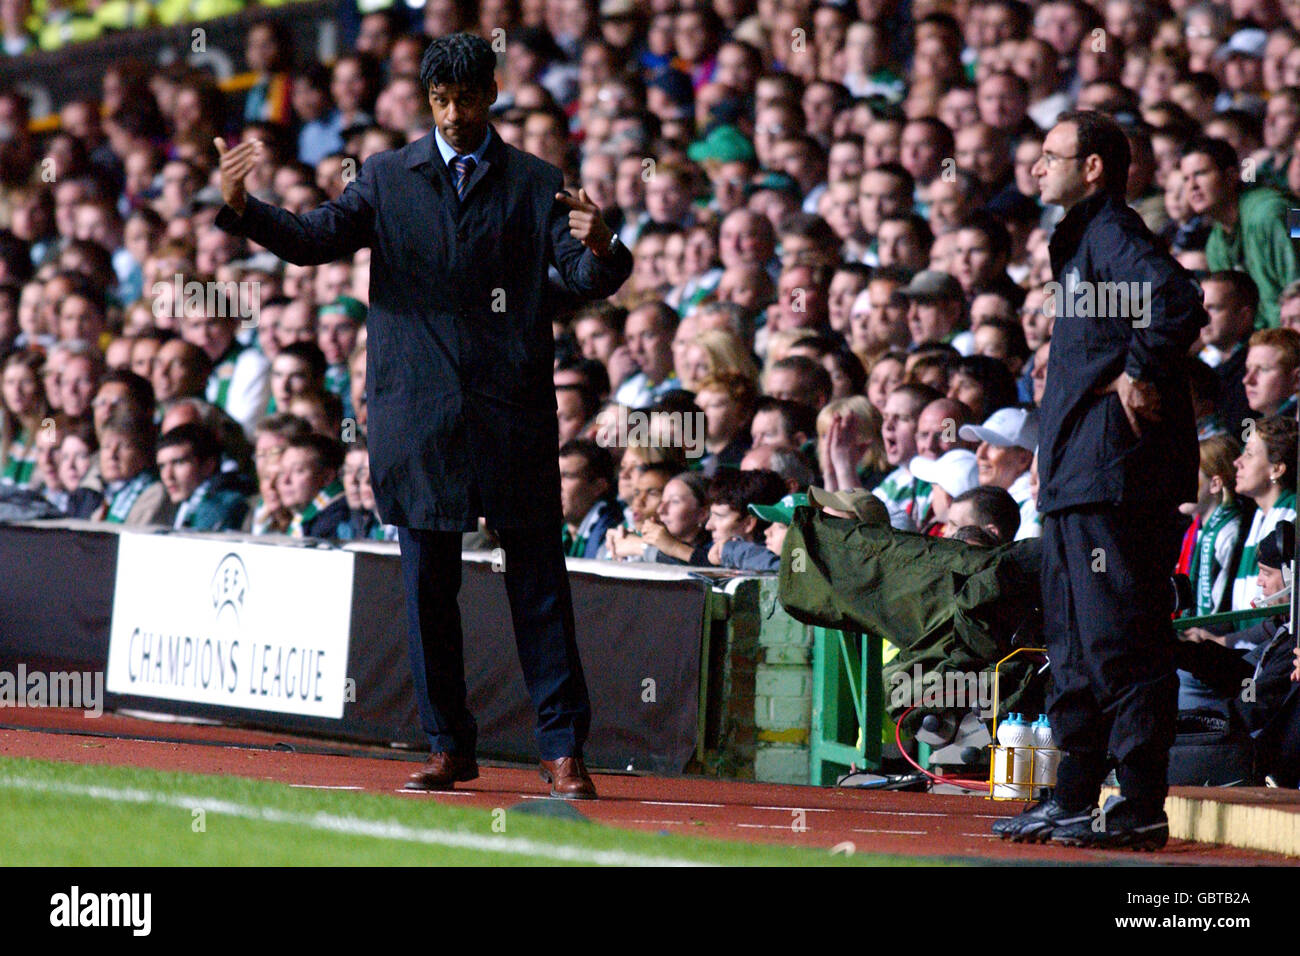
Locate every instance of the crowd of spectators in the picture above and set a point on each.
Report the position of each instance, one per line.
(842, 274)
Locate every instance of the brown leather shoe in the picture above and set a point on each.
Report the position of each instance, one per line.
(568, 779)
(441, 772)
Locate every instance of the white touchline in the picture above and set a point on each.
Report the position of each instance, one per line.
(384, 830)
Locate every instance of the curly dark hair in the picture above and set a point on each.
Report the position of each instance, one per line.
(460, 58)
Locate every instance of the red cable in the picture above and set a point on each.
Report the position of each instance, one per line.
(951, 781)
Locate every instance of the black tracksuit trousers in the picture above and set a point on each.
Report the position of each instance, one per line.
(1107, 603)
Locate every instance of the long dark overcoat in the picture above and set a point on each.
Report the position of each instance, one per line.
(459, 347)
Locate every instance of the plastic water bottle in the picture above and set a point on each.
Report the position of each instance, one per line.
(1013, 761)
(1046, 756)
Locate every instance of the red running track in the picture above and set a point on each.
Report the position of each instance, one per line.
(911, 824)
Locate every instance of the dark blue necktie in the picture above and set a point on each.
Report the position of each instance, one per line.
(463, 166)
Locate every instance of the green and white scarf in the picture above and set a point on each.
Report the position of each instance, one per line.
(324, 498)
(124, 498)
(1243, 586)
(1205, 567)
(224, 371)
(20, 461)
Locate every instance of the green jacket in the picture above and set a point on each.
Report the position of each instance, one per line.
(1260, 246)
(945, 604)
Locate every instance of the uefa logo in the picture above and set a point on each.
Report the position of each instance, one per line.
(229, 590)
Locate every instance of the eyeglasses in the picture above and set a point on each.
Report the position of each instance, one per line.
(1051, 160)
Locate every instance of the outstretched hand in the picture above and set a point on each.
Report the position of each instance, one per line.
(236, 163)
(586, 223)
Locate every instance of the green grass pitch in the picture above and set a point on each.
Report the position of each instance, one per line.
(148, 818)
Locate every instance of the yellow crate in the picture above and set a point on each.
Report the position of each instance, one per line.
(1002, 762)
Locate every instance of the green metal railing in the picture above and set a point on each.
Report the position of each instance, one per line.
(848, 703)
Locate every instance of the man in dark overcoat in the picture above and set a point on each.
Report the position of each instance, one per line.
(462, 230)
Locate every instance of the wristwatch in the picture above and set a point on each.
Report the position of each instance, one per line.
(612, 247)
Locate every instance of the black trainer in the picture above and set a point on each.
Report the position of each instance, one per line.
(1118, 827)
(1040, 821)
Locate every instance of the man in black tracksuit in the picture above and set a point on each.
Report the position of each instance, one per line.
(1117, 453)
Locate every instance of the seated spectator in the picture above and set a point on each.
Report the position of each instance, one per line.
(1265, 475)
(848, 374)
(120, 387)
(950, 476)
(357, 382)
(849, 445)
(975, 537)
(900, 491)
(297, 322)
(987, 507)
(132, 492)
(236, 449)
(727, 400)
(1004, 340)
(676, 533)
(1249, 230)
(337, 325)
(794, 467)
(267, 513)
(79, 468)
(782, 424)
(648, 334)
(590, 374)
(713, 352)
(649, 480)
(885, 375)
(1261, 656)
(938, 427)
(1006, 451)
(1231, 300)
(363, 521)
(587, 499)
(730, 495)
(309, 486)
(937, 311)
(598, 329)
(983, 385)
(748, 556)
(180, 370)
(931, 365)
(797, 378)
(576, 406)
(1272, 372)
(298, 369)
(322, 410)
(1288, 305)
(22, 409)
(48, 438)
(1210, 543)
(239, 382)
(189, 464)
(83, 367)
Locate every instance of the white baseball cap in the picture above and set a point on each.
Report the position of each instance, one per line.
(955, 471)
(1005, 428)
